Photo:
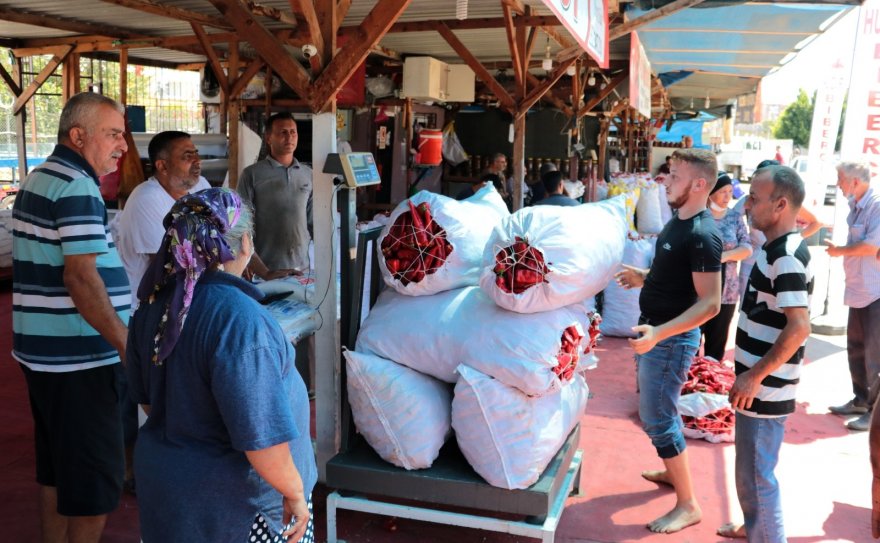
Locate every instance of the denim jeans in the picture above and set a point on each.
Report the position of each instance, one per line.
(757, 451)
(662, 372)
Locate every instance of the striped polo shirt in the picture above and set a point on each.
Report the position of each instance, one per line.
(59, 212)
(780, 278)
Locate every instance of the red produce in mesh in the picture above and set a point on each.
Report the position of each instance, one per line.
(519, 266)
(415, 246)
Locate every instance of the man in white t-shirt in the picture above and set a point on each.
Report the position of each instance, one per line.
(176, 172)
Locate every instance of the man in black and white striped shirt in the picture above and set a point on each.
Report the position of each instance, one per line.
(773, 327)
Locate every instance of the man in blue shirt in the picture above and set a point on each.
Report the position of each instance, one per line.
(555, 191)
(862, 293)
(70, 305)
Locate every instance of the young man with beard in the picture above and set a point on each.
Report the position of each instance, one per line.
(774, 324)
(681, 291)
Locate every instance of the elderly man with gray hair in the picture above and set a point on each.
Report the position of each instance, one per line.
(70, 308)
(862, 293)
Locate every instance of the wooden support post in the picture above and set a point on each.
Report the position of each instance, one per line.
(603, 147)
(233, 115)
(70, 74)
(408, 123)
(519, 154)
(20, 144)
(123, 76)
(61, 53)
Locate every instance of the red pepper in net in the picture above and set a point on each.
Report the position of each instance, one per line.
(567, 358)
(416, 246)
(521, 266)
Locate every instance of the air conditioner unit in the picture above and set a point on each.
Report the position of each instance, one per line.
(428, 79)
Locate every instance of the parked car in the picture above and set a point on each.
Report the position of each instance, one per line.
(799, 164)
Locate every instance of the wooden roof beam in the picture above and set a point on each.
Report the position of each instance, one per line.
(342, 8)
(266, 44)
(542, 89)
(513, 45)
(10, 81)
(242, 81)
(213, 59)
(558, 37)
(603, 93)
(374, 26)
(307, 9)
(60, 53)
(273, 13)
(478, 68)
(163, 10)
(649, 17)
(550, 96)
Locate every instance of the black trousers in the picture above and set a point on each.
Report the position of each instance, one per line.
(863, 351)
(715, 331)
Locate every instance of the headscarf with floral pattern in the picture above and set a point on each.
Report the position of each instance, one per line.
(193, 243)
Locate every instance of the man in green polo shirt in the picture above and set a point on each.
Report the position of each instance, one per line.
(279, 189)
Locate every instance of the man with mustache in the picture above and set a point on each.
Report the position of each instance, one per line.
(70, 304)
(176, 172)
(682, 290)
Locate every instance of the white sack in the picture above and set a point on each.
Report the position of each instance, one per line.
(508, 437)
(700, 404)
(665, 210)
(403, 414)
(620, 307)
(649, 216)
(468, 225)
(434, 334)
(582, 246)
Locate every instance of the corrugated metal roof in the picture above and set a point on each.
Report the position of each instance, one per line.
(728, 48)
(743, 41)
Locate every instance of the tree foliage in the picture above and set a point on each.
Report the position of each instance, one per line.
(796, 120)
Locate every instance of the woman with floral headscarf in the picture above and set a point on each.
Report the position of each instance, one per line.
(225, 455)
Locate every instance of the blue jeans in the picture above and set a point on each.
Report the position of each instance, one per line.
(662, 372)
(757, 452)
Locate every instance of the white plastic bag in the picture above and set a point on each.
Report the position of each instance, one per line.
(452, 149)
(508, 437)
(467, 224)
(649, 217)
(620, 307)
(434, 334)
(700, 404)
(403, 414)
(582, 247)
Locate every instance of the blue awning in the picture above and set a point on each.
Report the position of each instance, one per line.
(728, 48)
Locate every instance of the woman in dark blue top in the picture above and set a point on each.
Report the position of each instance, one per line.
(225, 455)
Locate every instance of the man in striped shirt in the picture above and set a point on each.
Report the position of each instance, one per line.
(70, 305)
(774, 324)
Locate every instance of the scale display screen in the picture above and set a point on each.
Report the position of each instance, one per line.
(359, 169)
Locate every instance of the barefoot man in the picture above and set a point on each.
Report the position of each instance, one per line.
(774, 323)
(682, 290)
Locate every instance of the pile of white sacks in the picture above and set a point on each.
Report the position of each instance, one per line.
(455, 352)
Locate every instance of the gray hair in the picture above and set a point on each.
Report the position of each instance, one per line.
(855, 169)
(236, 232)
(786, 183)
(80, 111)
